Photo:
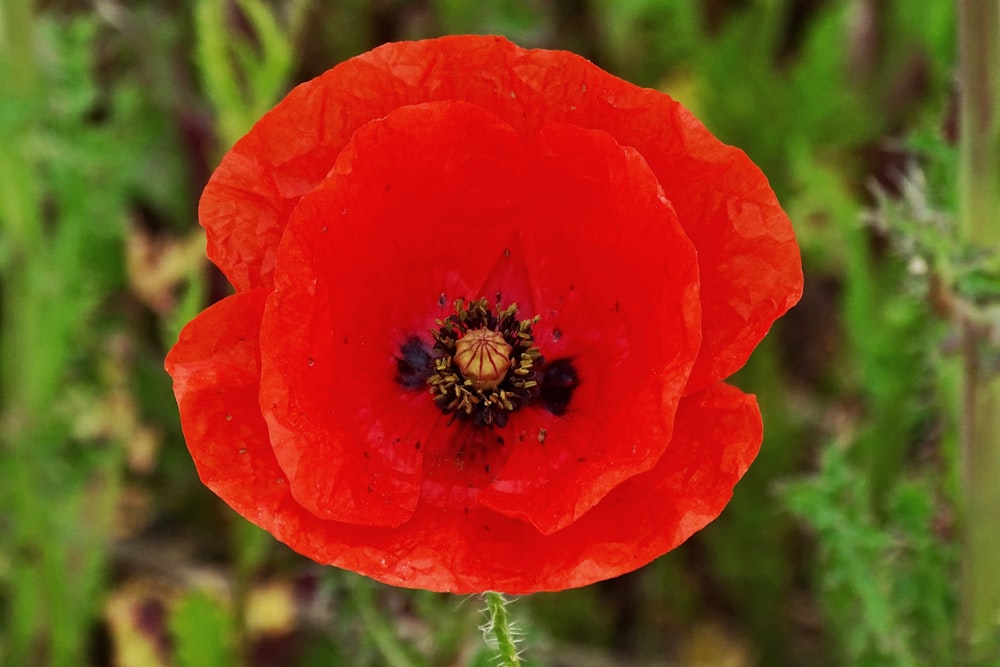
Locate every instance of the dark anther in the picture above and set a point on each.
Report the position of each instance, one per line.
(413, 366)
(481, 394)
(559, 381)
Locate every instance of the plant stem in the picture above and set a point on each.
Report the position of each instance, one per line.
(17, 59)
(979, 204)
(498, 624)
(378, 629)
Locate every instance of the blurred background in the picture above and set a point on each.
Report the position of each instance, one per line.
(839, 547)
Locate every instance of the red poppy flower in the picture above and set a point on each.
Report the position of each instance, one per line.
(485, 299)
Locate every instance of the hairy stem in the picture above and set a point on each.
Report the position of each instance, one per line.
(498, 624)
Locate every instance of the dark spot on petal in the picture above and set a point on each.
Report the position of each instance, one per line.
(371, 490)
(487, 468)
(311, 361)
(581, 460)
(465, 510)
(556, 335)
(413, 365)
(559, 381)
(506, 252)
(416, 445)
(442, 299)
(365, 454)
(617, 307)
(345, 340)
(500, 440)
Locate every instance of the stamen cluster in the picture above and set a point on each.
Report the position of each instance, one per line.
(466, 394)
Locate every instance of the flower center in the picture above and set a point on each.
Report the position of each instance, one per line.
(486, 363)
(483, 356)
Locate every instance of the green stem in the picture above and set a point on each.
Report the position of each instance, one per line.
(250, 544)
(25, 380)
(18, 57)
(979, 197)
(498, 624)
(381, 634)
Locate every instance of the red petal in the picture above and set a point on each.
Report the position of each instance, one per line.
(246, 204)
(347, 438)
(749, 262)
(750, 266)
(215, 366)
(717, 435)
(453, 201)
(458, 546)
(615, 279)
(370, 258)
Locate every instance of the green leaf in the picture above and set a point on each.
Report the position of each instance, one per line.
(202, 631)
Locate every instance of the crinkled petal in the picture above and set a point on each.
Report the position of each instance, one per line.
(457, 546)
(215, 366)
(370, 259)
(602, 228)
(749, 260)
(750, 265)
(366, 202)
(462, 206)
(717, 435)
(747, 252)
(247, 201)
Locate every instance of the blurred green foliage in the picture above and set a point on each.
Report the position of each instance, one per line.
(892, 572)
(837, 548)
